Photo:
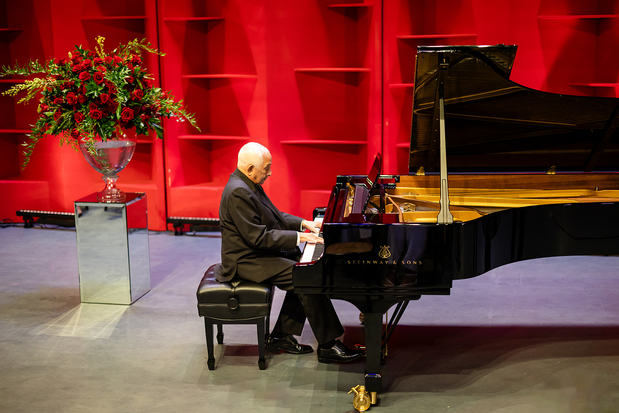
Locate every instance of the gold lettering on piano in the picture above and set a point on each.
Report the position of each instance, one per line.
(383, 262)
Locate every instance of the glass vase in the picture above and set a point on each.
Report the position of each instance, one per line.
(109, 157)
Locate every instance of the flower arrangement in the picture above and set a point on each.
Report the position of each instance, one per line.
(93, 94)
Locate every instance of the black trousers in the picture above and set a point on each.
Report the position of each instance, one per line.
(318, 310)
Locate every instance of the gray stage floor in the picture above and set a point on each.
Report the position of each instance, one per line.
(535, 336)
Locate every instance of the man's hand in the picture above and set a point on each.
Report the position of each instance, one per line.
(310, 237)
(311, 226)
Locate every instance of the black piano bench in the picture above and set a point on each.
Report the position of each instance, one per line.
(235, 302)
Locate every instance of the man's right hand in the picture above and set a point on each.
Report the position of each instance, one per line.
(311, 238)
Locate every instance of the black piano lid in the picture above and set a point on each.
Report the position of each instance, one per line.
(496, 125)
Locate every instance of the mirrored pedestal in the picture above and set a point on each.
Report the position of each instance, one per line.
(112, 249)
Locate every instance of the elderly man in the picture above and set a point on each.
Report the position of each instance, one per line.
(260, 244)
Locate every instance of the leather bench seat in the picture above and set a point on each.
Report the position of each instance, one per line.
(235, 302)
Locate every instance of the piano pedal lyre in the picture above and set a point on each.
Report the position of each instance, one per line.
(362, 400)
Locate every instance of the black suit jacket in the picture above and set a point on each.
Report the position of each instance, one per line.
(257, 240)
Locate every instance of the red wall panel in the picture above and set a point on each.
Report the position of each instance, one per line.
(325, 84)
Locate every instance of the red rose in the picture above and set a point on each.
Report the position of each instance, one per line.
(104, 97)
(75, 133)
(97, 61)
(86, 63)
(136, 60)
(126, 115)
(44, 107)
(111, 106)
(117, 60)
(57, 101)
(137, 94)
(130, 79)
(110, 85)
(79, 117)
(108, 60)
(84, 76)
(81, 99)
(98, 77)
(144, 117)
(71, 98)
(101, 68)
(96, 114)
(57, 115)
(148, 82)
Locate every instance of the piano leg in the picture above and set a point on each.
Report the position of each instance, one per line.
(373, 346)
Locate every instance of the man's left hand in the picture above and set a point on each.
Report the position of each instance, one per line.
(311, 226)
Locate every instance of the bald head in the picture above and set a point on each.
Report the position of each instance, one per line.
(254, 161)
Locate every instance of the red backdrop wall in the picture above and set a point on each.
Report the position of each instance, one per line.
(325, 84)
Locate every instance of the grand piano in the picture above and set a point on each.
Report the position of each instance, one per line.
(498, 173)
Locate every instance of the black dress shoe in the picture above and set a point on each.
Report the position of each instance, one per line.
(287, 344)
(337, 353)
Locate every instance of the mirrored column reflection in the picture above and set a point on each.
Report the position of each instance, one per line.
(112, 247)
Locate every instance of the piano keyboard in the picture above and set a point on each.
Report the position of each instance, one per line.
(312, 252)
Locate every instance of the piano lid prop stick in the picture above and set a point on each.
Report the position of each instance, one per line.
(444, 214)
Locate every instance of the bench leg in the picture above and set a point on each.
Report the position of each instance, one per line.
(220, 334)
(208, 327)
(261, 344)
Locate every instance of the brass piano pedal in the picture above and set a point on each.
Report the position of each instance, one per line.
(362, 399)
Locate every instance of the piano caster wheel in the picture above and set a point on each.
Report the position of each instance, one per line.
(211, 364)
(262, 364)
